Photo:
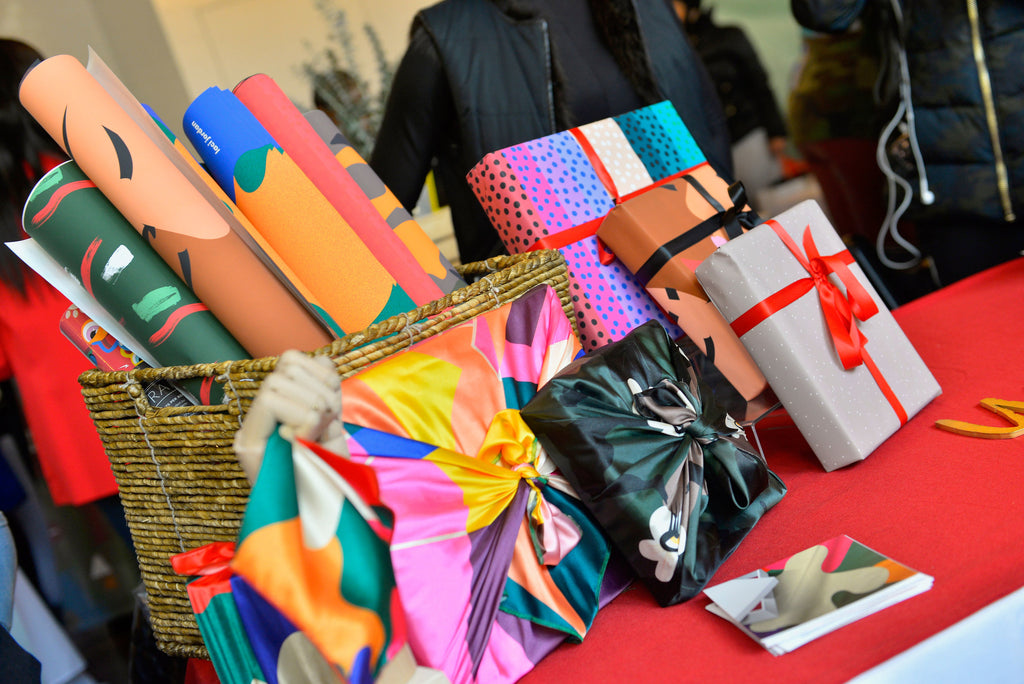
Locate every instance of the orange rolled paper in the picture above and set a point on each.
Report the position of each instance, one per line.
(295, 218)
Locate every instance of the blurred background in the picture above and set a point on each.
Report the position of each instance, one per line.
(168, 51)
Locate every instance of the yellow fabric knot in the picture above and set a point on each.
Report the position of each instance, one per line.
(511, 444)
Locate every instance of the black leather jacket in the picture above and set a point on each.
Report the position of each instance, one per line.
(479, 76)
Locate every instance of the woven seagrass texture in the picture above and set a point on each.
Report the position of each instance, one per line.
(179, 481)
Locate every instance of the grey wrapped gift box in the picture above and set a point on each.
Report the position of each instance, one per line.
(843, 413)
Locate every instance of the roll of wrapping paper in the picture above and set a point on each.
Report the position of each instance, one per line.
(300, 289)
(108, 354)
(286, 125)
(347, 280)
(386, 204)
(162, 205)
(78, 226)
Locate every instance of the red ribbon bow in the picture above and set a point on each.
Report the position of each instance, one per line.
(842, 310)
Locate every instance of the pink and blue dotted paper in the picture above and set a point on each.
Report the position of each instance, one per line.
(546, 186)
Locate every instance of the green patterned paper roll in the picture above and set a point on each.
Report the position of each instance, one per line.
(75, 223)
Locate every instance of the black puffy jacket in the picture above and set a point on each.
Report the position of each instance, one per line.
(479, 75)
(965, 62)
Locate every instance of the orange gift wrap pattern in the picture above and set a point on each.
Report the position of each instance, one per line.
(348, 281)
(149, 190)
(661, 234)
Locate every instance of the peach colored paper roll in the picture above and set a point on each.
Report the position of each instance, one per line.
(289, 211)
(161, 136)
(144, 185)
(286, 125)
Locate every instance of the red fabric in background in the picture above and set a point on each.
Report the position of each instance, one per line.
(199, 671)
(46, 367)
(945, 504)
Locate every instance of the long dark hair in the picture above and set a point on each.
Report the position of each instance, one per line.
(23, 145)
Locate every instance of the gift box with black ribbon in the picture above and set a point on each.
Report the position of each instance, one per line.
(662, 234)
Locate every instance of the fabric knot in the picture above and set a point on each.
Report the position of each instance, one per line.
(665, 403)
(678, 409)
(511, 444)
(819, 271)
(702, 432)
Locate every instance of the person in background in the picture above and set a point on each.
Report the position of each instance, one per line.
(41, 365)
(18, 664)
(835, 123)
(481, 75)
(953, 149)
(757, 129)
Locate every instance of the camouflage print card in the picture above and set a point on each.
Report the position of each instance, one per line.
(797, 599)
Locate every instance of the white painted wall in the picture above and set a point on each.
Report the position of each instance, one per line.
(127, 34)
(220, 42)
(169, 51)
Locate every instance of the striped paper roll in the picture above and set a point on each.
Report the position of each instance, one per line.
(167, 210)
(386, 204)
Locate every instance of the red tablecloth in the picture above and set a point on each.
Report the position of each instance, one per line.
(945, 504)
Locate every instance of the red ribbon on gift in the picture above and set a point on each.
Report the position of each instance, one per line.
(842, 311)
(588, 229)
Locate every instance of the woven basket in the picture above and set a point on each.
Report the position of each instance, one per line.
(178, 478)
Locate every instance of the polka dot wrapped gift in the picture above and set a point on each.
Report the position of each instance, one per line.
(835, 356)
(549, 193)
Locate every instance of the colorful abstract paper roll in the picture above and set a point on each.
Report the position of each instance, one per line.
(163, 206)
(100, 347)
(386, 204)
(285, 123)
(347, 280)
(247, 231)
(108, 354)
(76, 224)
(165, 141)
